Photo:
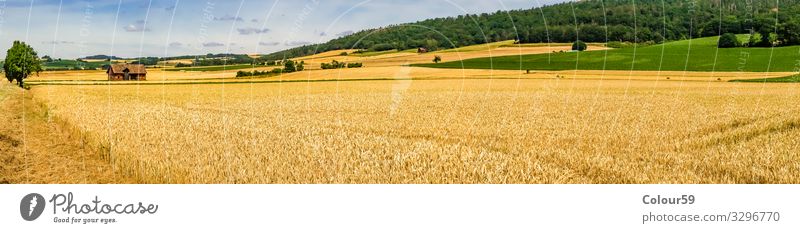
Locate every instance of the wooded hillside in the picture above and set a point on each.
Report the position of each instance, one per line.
(590, 21)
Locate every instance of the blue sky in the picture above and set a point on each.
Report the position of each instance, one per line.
(132, 28)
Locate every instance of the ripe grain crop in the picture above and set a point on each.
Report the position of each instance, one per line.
(442, 131)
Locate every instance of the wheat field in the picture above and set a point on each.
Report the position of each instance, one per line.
(441, 131)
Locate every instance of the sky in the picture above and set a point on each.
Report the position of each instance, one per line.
(136, 28)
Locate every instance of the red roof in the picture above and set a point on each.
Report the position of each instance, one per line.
(132, 69)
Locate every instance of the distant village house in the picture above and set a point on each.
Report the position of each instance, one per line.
(125, 72)
(422, 50)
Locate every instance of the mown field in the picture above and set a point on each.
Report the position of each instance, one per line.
(794, 78)
(441, 131)
(216, 68)
(687, 55)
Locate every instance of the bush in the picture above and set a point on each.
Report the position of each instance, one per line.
(621, 45)
(728, 40)
(337, 65)
(381, 47)
(288, 66)
(578, 46)
(646, 43)
(343, 54)
(243, 74)
(333, 65)
(180, 65)
(617, 44)
(275, 71)
(437, 59)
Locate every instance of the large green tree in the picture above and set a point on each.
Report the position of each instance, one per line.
(728, 40)
(288, 66)
(21, 61)
(579, 46)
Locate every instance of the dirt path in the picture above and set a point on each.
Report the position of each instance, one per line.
(37, 149)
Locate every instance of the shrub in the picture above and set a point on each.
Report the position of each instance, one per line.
(275, 71)
(625, 44)
(333, 65)
(728, 40)
(243, 74)
(646, 43)
(437, 59)
(617, 44)
(354, 65)
(381, 47)
(578, 46)
(343, 54)
(288, 66)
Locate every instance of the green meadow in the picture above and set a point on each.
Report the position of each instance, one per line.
(699, 54)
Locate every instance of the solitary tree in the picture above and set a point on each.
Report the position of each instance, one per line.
(288, 66)
(728, 40)
(21, 61)
(578, 46)
(437, 59)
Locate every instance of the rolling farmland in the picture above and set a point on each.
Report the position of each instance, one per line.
(395, 122)
(441, 131)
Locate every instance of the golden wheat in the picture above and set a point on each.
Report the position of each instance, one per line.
(442, 131)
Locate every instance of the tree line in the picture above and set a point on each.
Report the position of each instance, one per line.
(338, 65)
(289, 66)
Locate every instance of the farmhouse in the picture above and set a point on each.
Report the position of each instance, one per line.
(120, 72)
(422, 50)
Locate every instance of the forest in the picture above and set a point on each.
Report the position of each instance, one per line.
(641, 21)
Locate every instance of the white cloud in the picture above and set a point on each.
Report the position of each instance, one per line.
(58, 42)
(213, 44)
(228, 18)
(268, 43)
(297, 43)
(138, 26)
(344, 33)
(249, 31)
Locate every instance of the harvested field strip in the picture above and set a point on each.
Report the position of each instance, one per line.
(37, 147)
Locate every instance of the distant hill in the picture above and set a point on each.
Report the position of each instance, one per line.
(210, 55)
(199, 60)
(102, 57)
(589, 20)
